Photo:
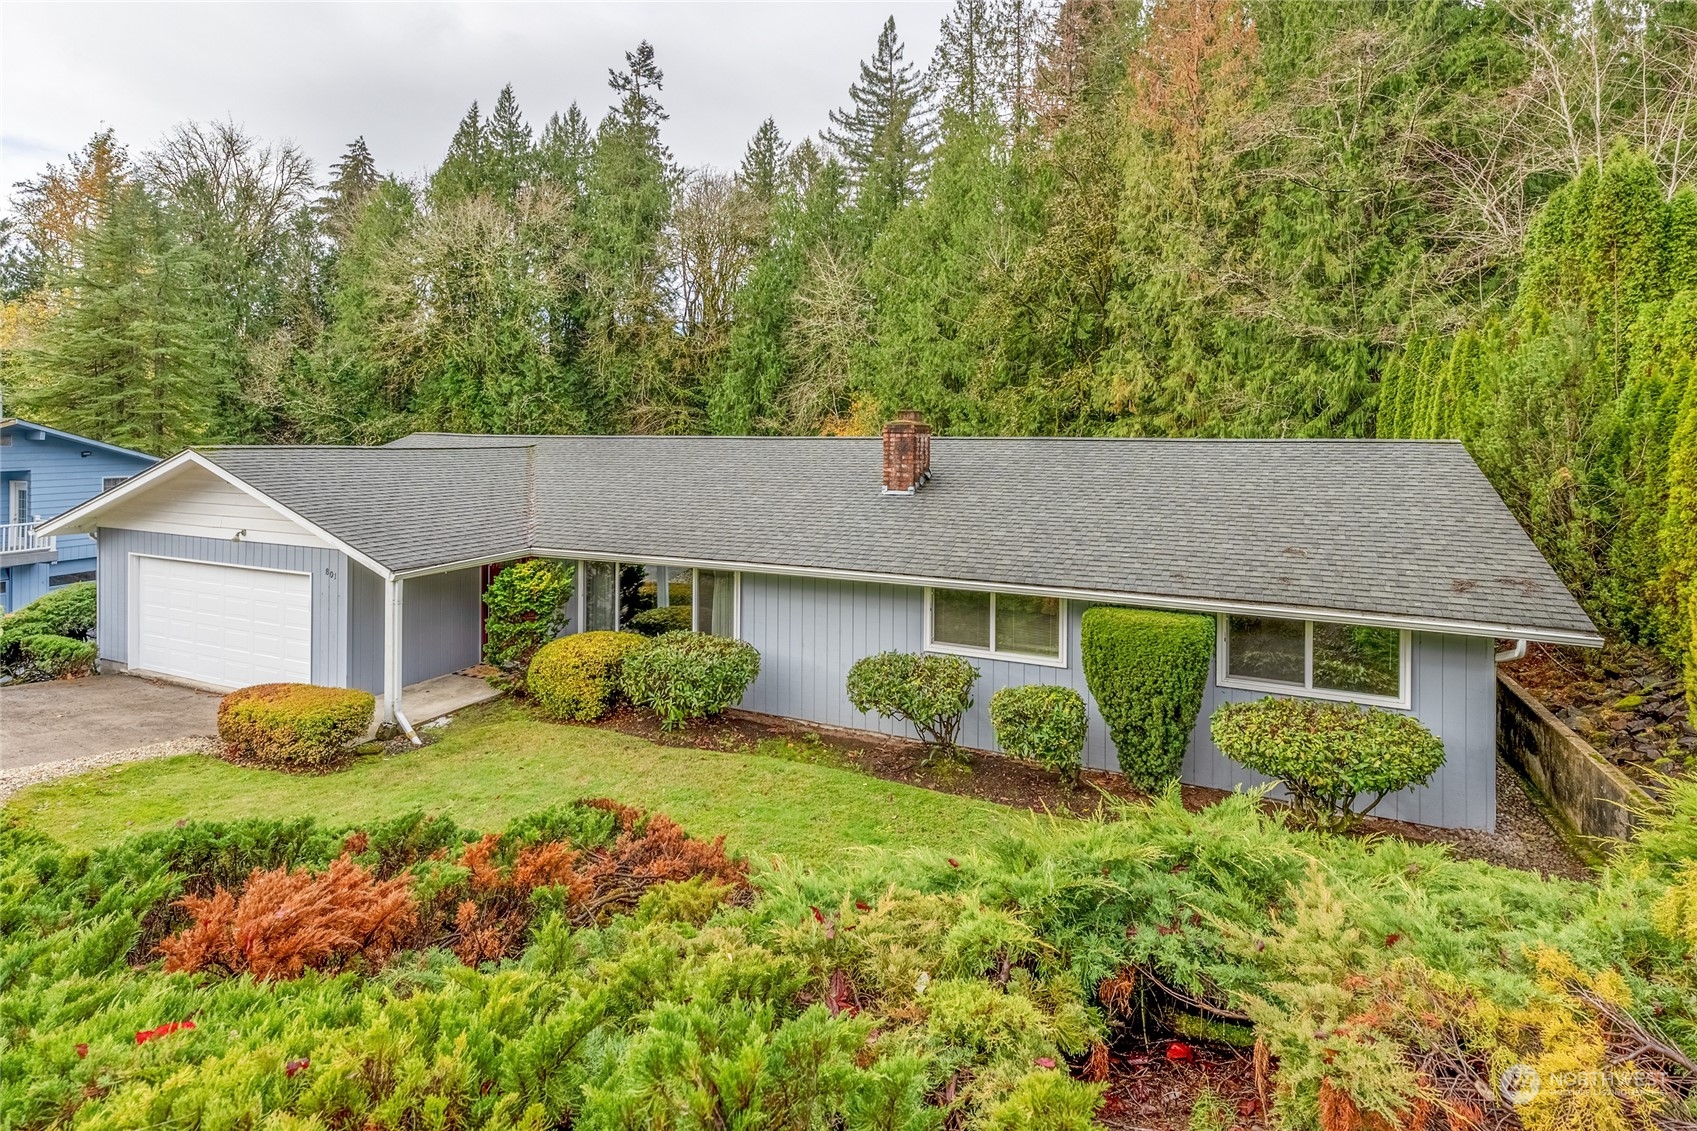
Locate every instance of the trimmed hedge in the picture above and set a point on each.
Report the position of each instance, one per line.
(59, 612)
(655, 622)
(1147, 671)
(46, 639)
(931, 692)
(55, 657)
(526, 608)
(689, 675)
(293, 726)
(1042, 724)
(1328, 754)
(577, 677)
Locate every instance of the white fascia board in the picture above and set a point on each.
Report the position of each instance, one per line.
(1107, 596)
(80, 519)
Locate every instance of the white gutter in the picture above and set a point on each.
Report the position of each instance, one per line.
(1110, 596)
(1516, 653)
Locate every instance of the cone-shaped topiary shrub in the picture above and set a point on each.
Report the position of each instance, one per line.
(689, 675)
(577, 677)
(1146, 670)
(293, 726)
(1042, 724)
(1328, 754)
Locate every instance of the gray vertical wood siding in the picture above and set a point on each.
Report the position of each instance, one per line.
(365, 629)
(329, 570)
(440, 625)
(810, 630)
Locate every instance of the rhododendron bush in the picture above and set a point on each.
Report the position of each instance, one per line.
(595, 966)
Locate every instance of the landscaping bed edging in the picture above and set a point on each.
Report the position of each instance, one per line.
(1594, 797)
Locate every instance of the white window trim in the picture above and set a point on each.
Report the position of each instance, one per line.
(580, 599)
(932, 644)
(1402, 701)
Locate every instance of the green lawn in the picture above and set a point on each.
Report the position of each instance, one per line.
(497, 762)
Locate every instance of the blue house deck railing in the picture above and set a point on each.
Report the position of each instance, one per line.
(16, 537)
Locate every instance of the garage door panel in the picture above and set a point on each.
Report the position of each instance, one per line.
(223, 624)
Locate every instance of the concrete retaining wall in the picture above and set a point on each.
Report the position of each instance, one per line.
(1595, 797)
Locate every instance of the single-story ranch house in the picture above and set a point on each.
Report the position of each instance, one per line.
(1372, 571)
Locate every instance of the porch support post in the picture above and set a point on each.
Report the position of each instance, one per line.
(392, 597)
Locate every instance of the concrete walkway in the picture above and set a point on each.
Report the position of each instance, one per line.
(77, 718)
(433, 698)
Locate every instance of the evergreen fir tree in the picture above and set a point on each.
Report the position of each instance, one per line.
(352, 180)
(129, 360)
(882, 136)
(464, 171)
(508, 153)
(762, 169)
(562, 153)
(965, 71)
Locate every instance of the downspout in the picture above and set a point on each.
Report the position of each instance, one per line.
(392, 621)
(1516, 653)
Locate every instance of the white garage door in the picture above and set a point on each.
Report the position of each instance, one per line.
(222, 625)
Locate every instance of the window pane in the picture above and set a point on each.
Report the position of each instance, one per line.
(1264, 648)
(959, 617)
(636, 591)
(715, 602)
(1028, 624)
(1357, 659)
(679, 586)
(599, 597)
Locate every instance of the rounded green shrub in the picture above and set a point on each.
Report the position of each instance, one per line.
(930, 692)
(525, 608)
(54, 622)
(654, 622)
(689, 675)
(1147, 671)
(54, 657)
(1328, 754)
(577, 677)
(1042, 724)
(293, 726)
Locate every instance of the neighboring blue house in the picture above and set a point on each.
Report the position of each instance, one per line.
(43, 473)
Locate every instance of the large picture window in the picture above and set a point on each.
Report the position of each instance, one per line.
(615, 592)
(1013, 626)
(1315, 658)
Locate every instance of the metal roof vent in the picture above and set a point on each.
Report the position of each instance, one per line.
(907, 454)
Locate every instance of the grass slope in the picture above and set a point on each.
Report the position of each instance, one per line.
(497, 762)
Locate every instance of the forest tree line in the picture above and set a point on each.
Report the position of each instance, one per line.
(1398, 218)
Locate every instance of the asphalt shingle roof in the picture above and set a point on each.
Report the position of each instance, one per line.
(1396, 528)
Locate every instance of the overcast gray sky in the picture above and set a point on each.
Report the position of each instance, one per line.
(402, 74)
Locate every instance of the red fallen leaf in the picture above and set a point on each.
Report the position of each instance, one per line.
(838, 999)
(1044, 1062)
(295, 1066)
(953, 863)
(1247, 1108)
(1392, 940)
(1178, 1051)
(82, 1051)
(860, 905)
(817, 918)
(164, 1030)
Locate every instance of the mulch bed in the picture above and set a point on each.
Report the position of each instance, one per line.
(1155, 1086)
(1524, 838)
(1626, 701)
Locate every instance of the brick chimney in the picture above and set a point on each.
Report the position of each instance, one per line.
(907, 454)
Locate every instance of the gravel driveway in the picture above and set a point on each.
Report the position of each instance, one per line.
(43, 723)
